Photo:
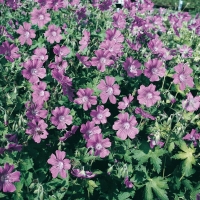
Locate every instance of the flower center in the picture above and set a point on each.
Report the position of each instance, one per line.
(35, 112)
(99, 116)
(37, 129)
(109, 91)
(154, 71)
(61, 118)
(60, 165)
(153, 142)
(33, 71)
(41, 17)
(41, 93)
(155, 48)
(53, 33)
(126, 125)
(4, 178)
(27, 34)
(103, 60)
(149, 95)
(98, 146)
(182, 77)
(133, 69)
(42, 57)
(84, 99)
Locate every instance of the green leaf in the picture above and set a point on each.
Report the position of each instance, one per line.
(2, 195)
(91, 186)
(123, 196)
(187, 155)
(159, 186)
(27, 164)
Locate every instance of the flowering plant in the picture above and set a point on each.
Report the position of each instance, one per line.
(94, 96)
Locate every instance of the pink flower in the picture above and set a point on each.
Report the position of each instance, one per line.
(114, 35)
(119, 20)
(59, 64)
(155, 45)
(155, 141)
(99, 145)
(37, 128)
(191, 104)
(192, 136)
(125, 103)
(148, 96)
(7, 178)
(61, 117)
(85, 40)
(84, 60)
(144, 114)
(26, 33)
(56, 4)
(82, 173)
(183, 77)
(53, 34)
(69, 133)
(59, 164)
(61, 51)
(40, 17)
(100, 115)
(109, 89)
(185, 51)
(86, 98)
(40, 54)
(125, 126)
(154, 69)
(132, 67)
(33, 71)
(102, 60)
(40, 95)
(128, 183)
(35, 111)
(10, 51)
(89, 129)
(111, 46)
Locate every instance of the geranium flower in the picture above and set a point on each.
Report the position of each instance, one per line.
(185, 51)
(183, 77)
(37, 128)
(125, 103)
(59, 164)
(155, 45)
(147, 95)
(82, 173)
(134, 46)
(40, 54)
(100, 115)
(144, 114)
(14, 147)
(132, 67)
(59, 64)
(61, 117)
(53, 34)
(40, 95)
(111, 46)
(191, 104)
(7, 178)
(192, 136)
(56, 4)
(102, 60)
(99, 145)
(109, 89)
(154, 69)
(40, 17)
(86, 98)
(85, 40)
(114, 35)
(119, 20)
(69, 133)
(84, 60)
(125, 126)
(10, 51)
(61, 51)
(33, 71)
(128, 183)
(35, 111)
(89, 129)
(26, 33)
(155, 141)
